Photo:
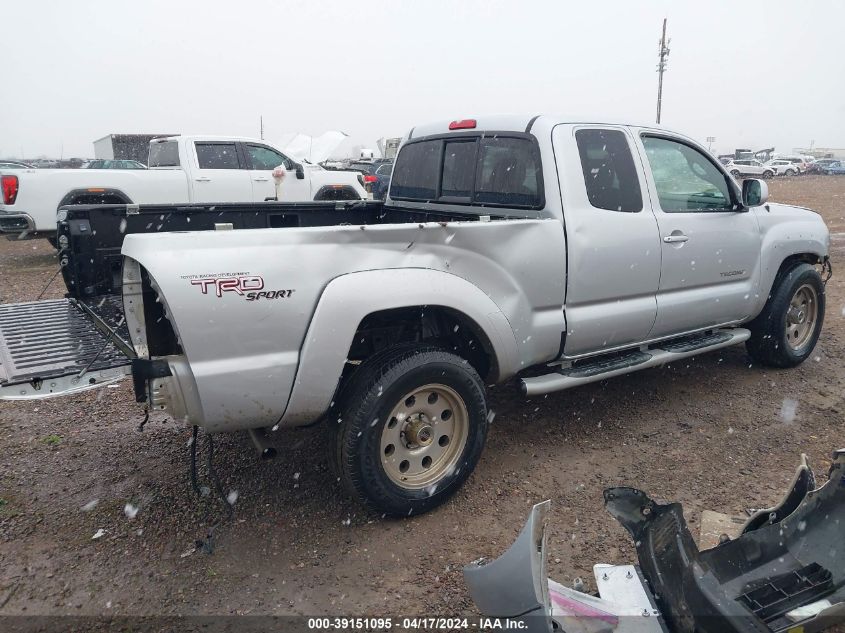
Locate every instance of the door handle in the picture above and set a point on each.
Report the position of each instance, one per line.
(672, 239)
(260, 179)
(203, 179)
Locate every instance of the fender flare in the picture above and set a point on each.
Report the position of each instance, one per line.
(327, 191)
(782, 246)
(345, 302)
(103, 191)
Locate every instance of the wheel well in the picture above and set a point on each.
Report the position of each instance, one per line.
(95, 195)
(425, 324)
(790, 262)
(337, 192)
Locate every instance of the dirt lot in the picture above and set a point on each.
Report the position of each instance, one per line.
(716, 432)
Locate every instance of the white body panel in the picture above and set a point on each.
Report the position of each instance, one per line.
(42, 191)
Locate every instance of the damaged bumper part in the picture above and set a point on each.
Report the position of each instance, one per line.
(515, 587)
(785, 572)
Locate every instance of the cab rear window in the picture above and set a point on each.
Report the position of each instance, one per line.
(497, 170)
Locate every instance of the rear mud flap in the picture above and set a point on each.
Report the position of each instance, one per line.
(56, 347)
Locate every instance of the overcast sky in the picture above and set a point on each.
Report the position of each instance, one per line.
(752, 74)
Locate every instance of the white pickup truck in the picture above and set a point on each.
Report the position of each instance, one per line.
(182, 169)
(555, 251)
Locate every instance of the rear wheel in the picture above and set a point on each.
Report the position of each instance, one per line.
(411, 425)
(767, 174)
(787, 330)
(789, 172)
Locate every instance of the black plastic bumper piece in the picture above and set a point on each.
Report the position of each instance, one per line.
(750, 584)
(143, 369)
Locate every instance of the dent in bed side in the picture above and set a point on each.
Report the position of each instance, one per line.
(348, 299)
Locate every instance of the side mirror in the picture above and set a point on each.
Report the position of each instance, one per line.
(300, 172)
(754, 192)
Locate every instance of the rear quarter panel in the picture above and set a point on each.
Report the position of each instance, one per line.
(244, 355)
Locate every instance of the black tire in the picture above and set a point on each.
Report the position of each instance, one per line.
(364, 409)
(767, 175)
(768, 343)
(789, 172)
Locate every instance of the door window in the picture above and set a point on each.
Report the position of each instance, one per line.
(265, 158)
(610, 175)
(217, 156)
(686, 180)
(164, 154)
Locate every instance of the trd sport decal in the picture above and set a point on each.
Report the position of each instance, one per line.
(251, 287)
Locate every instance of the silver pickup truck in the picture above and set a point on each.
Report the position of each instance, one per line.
(557, 251)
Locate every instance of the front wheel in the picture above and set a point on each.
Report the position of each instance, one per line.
(767, 175)
(785, 333)
(411, 425)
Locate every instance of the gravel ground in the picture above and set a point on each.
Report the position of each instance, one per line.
(715, 432)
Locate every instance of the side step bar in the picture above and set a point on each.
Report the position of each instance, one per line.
(627, 362)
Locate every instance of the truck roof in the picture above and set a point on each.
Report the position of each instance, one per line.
(207, 137)
(519, 123)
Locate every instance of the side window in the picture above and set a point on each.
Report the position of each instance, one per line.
(265, 158)
(686, 180)
(416, 172)
(384, 170)
(217, 156)
(508, 173)
(164, 154)
(458, 169)
(610, 174)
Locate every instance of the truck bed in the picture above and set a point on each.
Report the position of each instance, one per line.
(63, 345)
(91, 236)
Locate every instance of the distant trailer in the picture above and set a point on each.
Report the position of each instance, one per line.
(125, 146)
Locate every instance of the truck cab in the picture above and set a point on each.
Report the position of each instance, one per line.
(235, 169)
(552, 250)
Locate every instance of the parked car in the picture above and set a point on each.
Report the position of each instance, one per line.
(835, 168)
(783, 167)
(799, 163)
(749, 167)
(182, 169)
(14, 164)
(114, 164)
(505, 244)
(45, 163)
(821, 164)
(376, 176)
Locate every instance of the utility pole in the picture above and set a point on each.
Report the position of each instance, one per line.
(262, 127)
(663, 57)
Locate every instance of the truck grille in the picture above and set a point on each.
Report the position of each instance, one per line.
(46, 339)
